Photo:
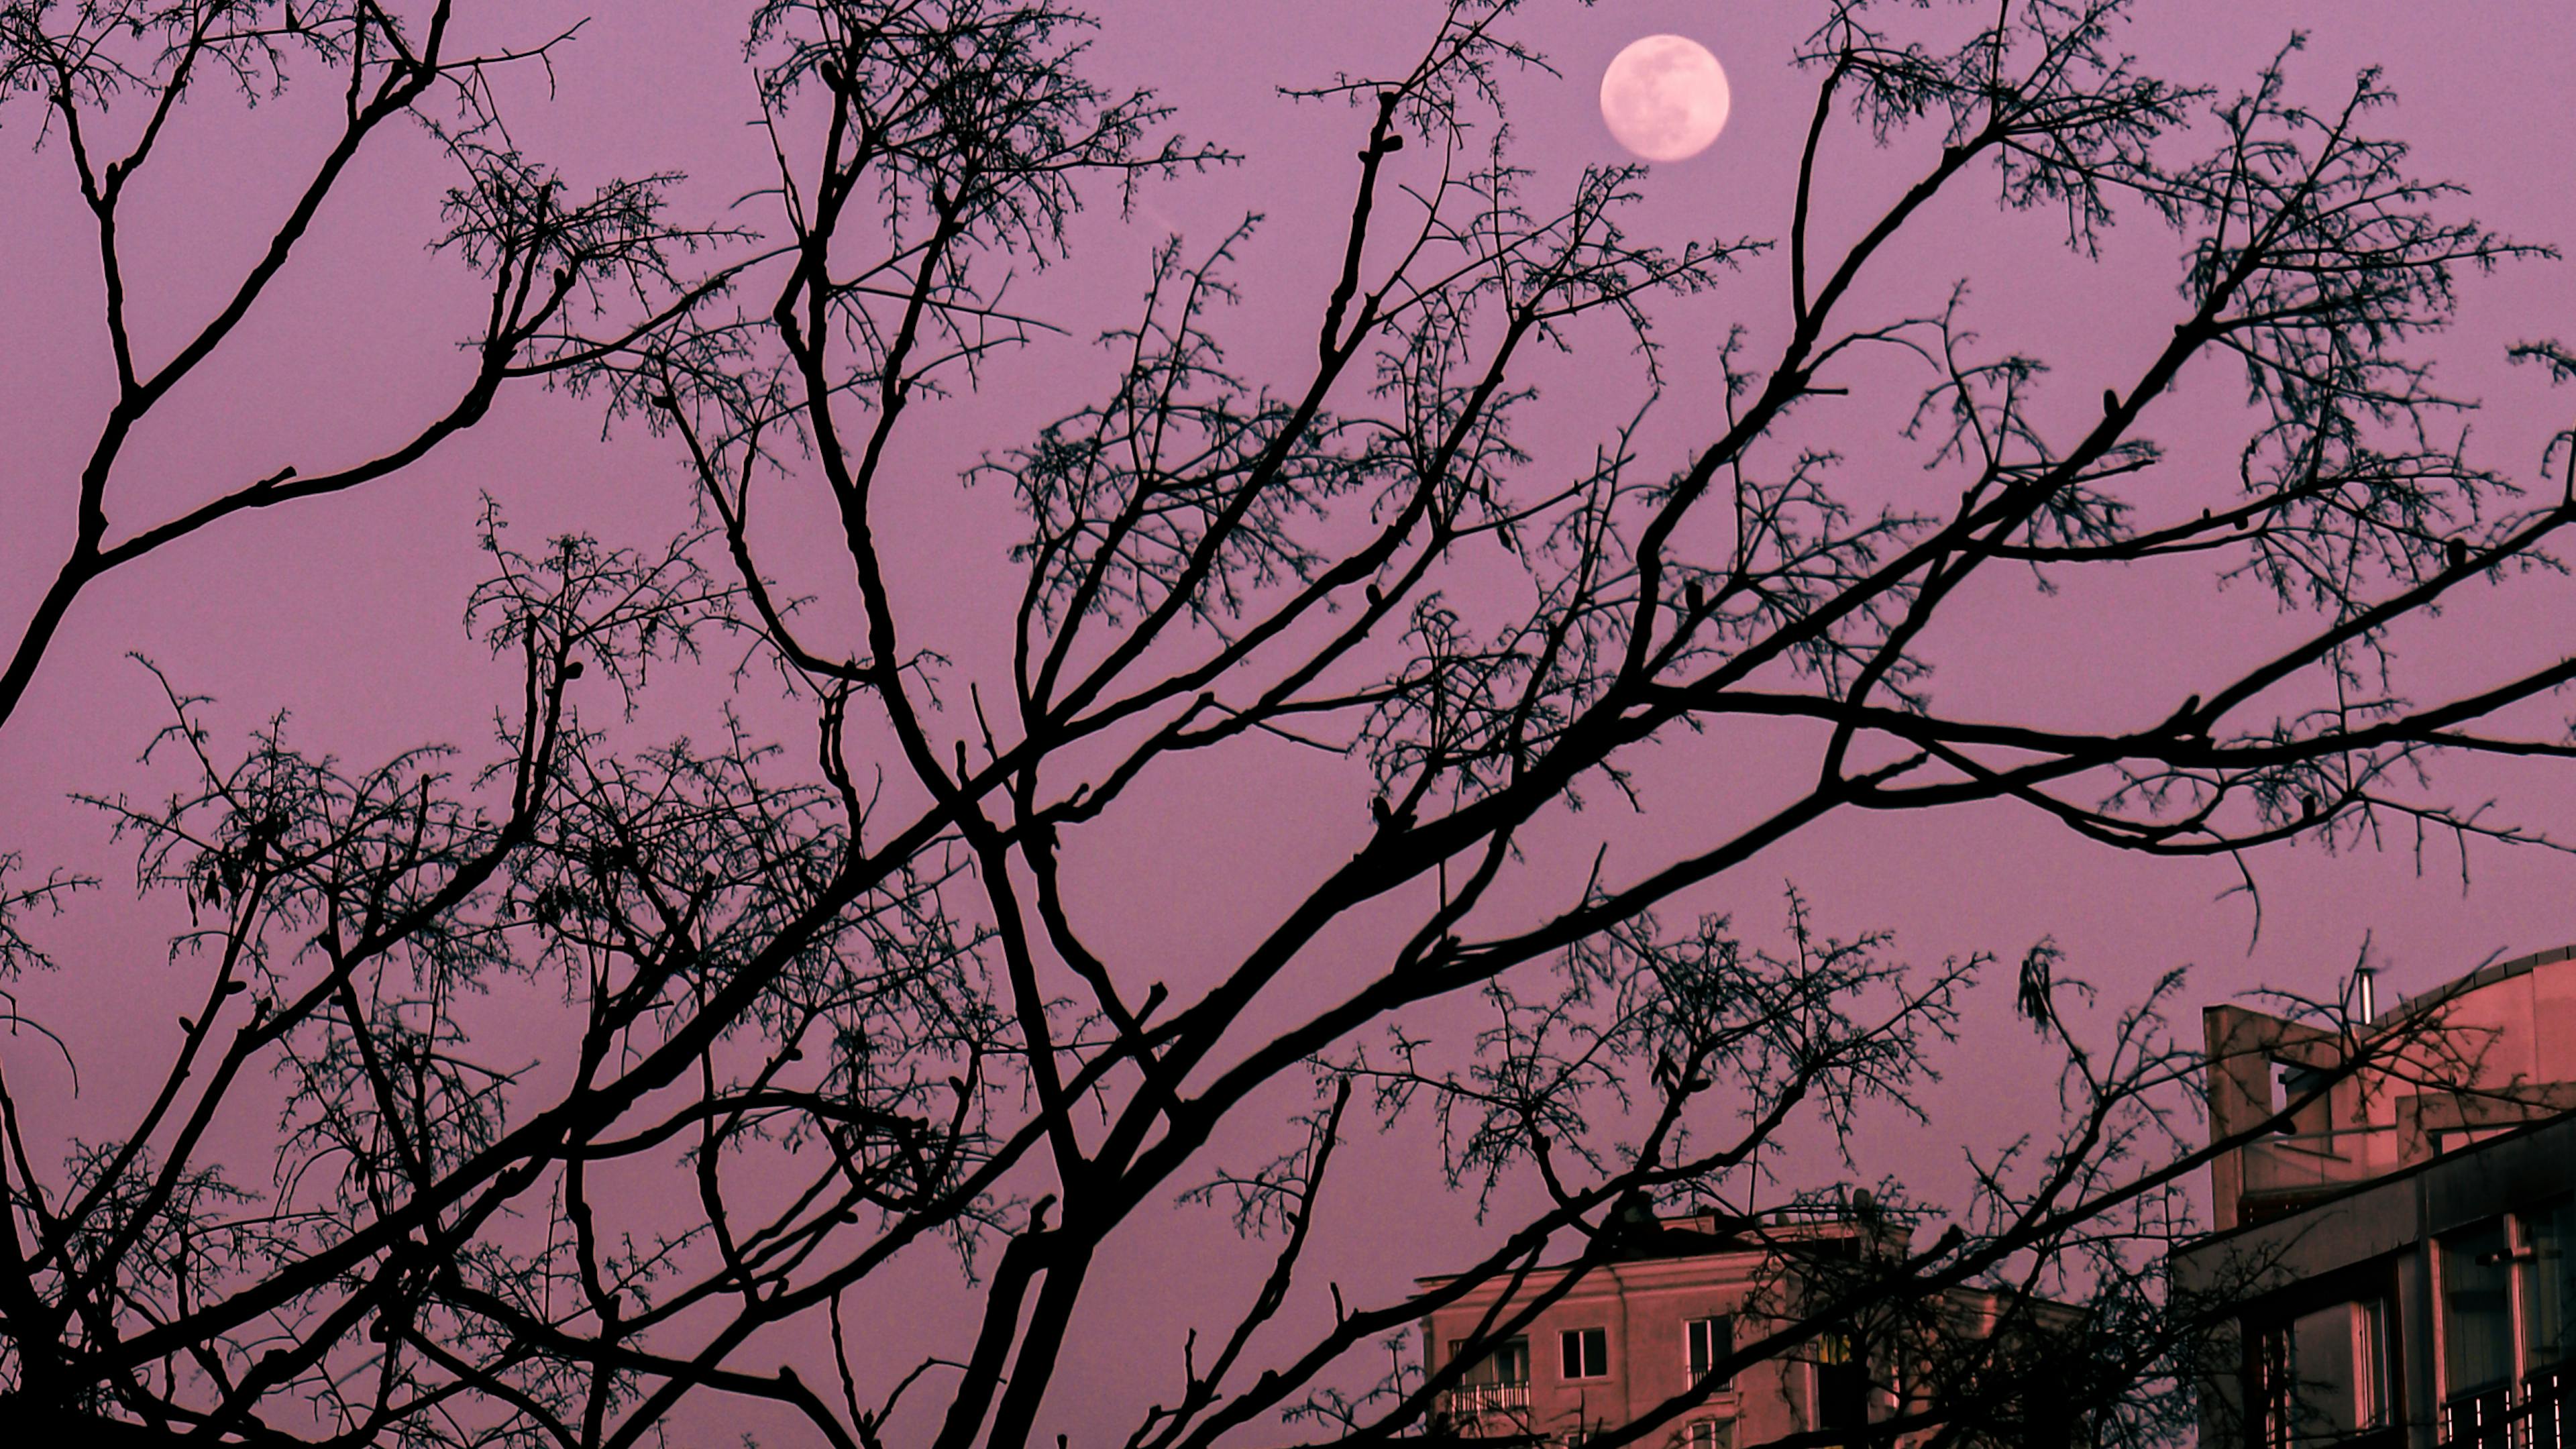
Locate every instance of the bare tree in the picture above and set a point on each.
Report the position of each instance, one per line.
(105, 81)
(840, 986)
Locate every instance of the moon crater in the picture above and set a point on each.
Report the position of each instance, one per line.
(1665, 98)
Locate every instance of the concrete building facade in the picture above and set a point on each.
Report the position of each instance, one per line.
(2395, 1269)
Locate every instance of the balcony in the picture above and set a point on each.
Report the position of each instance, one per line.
(2312, 1162)
(2530, 1416)
(1471, 1403)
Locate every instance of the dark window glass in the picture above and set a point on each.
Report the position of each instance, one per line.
(1842, 1383)
(2477, 1311)
(2272, 1375)
(2548, 1286)
(1583, 1353)
(1507, 1365)
(2374, 1369)
(1710, 1340)
(2326, 1374)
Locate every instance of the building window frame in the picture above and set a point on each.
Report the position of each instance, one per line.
(1496, 1384)
(2535, 1385)
(2374, 1359)
(1839, 1391)
(1707, 1433)
(1705, 1340)
(1583, 1354)
(2542, 1276)
(1495, 1366)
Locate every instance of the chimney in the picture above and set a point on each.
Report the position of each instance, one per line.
(2365, 992)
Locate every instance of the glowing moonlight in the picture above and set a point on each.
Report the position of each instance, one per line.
(1665, 98)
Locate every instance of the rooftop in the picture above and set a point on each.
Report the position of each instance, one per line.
(2478, 980)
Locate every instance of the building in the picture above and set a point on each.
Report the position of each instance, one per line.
(1678, 1297)
(2393, 1268)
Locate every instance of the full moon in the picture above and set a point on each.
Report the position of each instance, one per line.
(1665, 98)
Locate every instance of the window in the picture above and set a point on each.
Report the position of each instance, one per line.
(2508, 1301)
(1584, 1353)
(2374, 1368)
(1842, 1383)
(1496, 1385)
(2477, 1310)
(1709, 1434)
(1507, 1366)
(2326, 1375)
(2548, 1287)
(1710, 1339)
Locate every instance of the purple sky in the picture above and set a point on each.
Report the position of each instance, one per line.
(346, 611)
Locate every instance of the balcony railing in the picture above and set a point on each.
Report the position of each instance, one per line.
(1489, 1401)
(2531, 1415)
